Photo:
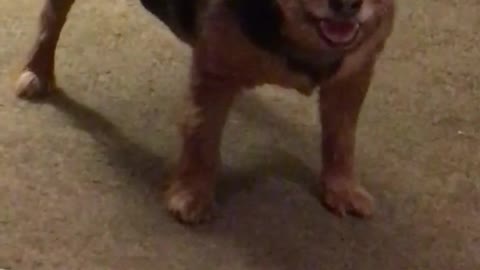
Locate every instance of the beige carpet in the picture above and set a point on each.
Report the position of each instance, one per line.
(79, 175)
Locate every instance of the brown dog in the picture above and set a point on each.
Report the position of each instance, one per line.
(238, 44)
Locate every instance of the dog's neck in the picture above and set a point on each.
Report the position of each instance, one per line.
(261, 22)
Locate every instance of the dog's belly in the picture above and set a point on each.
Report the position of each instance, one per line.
(178, 15)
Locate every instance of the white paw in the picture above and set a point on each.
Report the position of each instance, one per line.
(30, 85)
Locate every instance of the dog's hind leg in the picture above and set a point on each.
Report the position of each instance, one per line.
(38, 75)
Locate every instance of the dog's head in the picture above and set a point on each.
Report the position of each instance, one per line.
(333, 25)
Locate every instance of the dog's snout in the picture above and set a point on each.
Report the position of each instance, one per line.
(345, 8)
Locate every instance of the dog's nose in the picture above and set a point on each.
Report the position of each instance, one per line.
(345, 8)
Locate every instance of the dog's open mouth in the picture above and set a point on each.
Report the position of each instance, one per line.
(338, 33)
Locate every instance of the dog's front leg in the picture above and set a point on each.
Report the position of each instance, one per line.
(190, 196)
(37, 77)
(340, 104)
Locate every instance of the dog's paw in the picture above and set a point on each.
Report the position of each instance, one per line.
(344, 197)
(30, 86)
(189, 205)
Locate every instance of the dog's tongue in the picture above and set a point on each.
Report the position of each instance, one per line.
(338, 32)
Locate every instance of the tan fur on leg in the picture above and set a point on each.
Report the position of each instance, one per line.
(190, 197)
(38, 78)
(340, 104)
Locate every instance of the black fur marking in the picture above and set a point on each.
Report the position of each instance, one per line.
(187, 15)
(315, 71)
(159, 8)
(179, 15)
(261, 21)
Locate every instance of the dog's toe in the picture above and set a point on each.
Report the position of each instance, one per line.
(189, 206)
(342, 199)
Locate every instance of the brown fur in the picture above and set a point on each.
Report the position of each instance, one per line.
(226, 62)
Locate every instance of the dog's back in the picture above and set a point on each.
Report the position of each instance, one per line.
(181, 16)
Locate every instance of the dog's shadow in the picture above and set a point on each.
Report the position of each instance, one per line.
(123, 154)
(134, 159)
(274, 224)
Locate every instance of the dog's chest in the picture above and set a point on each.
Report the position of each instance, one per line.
(245, 35)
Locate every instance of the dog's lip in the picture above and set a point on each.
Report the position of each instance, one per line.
(338, 33)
